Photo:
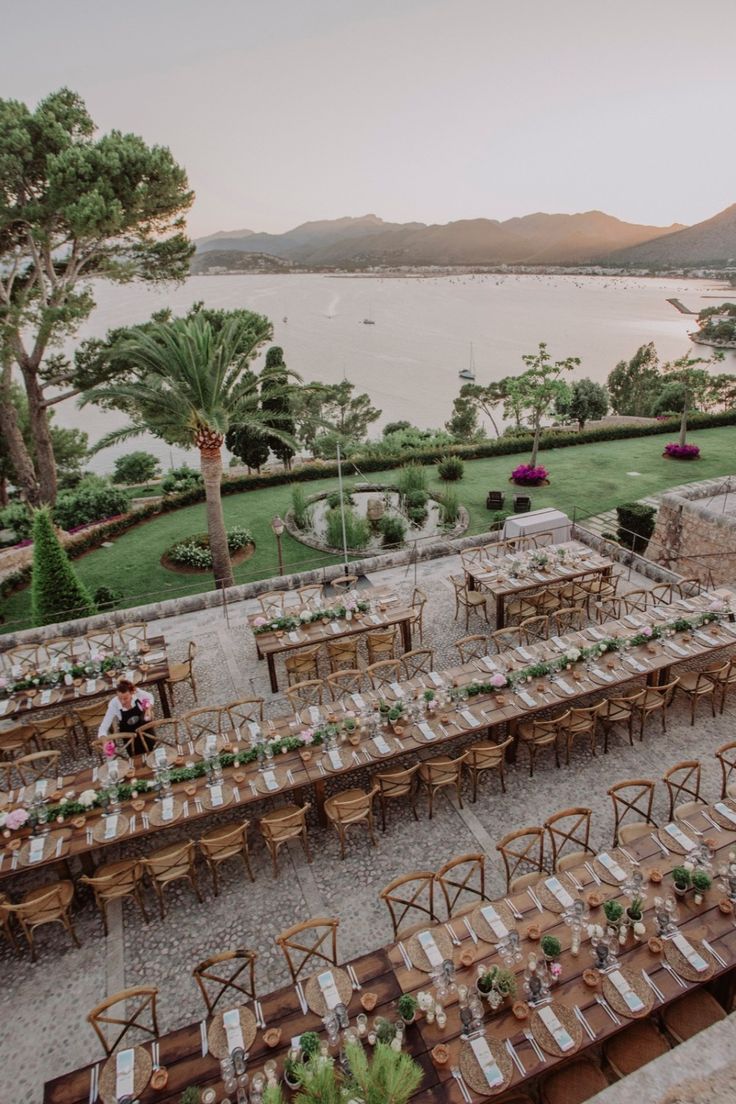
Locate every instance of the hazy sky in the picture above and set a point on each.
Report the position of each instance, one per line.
(428, 110)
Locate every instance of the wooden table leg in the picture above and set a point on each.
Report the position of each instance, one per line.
(499, 611)
(406, 635)
(164, 697)
(513, 748)
(272, 673)
(319, 800)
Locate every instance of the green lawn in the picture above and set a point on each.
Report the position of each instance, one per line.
(584, 480)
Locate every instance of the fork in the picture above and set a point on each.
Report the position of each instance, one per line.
(404, 954)
(262, 1018)
(710, 820)
(584, 1023)
(715, 953)
(591, 871)
(455, 1071)
(513, 909)
(534, 898)
(155, 1054)
(675, 976)
(451, 933)
(665, 850)
(607, 1009)
(655, 989)
(515, 1058)
(471, 933)
(353, 977)
(302, 999)
(535, 1046)
(575, 882)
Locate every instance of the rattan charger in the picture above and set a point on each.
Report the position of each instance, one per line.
(142, 1068)
(315, 996)
(217, 1035)
(419, 958)
(473, 1074)
(639, 986)
(546, 1039)
(680, 964)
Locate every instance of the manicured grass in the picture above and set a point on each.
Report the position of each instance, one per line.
(584, 480)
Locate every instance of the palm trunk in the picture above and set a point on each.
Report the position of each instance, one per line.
(24, 475)
(210, 462)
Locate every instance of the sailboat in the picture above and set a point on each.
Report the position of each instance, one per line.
(369, 321)
(469, 373)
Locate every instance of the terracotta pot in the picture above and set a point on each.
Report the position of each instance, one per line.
(272, 1037)
(467, 958)
(159, 1078)
(369, 1000)
(654, 944)
(725, 906)
(591, 978)
(440, 1054)
(595, 898)
(520, 1010)
(533, 932)
(306, 755)
(655, 876)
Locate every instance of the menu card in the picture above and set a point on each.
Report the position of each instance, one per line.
(430, 948)
(326, 983)
(685, 948)
(270, 780)
(486, 1061)
(633, 1001)
(556, 888)
(560, 1034)
(233, 1030)
(124, 1073)
(494, 921)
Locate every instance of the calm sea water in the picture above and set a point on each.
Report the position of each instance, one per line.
(408, 361)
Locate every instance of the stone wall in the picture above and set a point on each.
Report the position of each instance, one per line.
(694, 539)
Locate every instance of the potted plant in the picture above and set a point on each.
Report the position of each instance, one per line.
(385, 1031)
(498, 979)
(291, 1072)
(407, 1006)
(681, 878)
(634, 911)
(309, 1044)
(614, 911)
(551, 947)
(701, 882)
(429, 697)
(191, 1095)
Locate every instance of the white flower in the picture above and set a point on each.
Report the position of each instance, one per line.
(573, 655)
(87, 798)
(305, 616)
(639, 928)
(689, 864)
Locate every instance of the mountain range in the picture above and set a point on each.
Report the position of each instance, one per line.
(591, 237)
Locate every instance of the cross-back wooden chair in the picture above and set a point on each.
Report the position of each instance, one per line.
(383, 673)
(655, 699)
(418, 602)
(569, 831)
(343, 583)
(47, 904)
(574, 595)
(230, 972)
(419, 661)
(637, 601)
(683, 786)
(169, 731)
(608, 609)
(439, 773)
(471, 556)
(687, 588)
(278, 826)
(397, 785)
(566, 620)
(460, 878)
(726, 756)
(632, 800)
(699, 685)
(302, 665)
(273, 603)
(88, 718)
(182, 672)
(539, 735)
(39, 764)
(309, 692)
(543, 539)
(174, 863)
(534, 629)
(309, 943)
(471, 647)
(520, 607)
(222, 844)
(102, 1016)
(18, 740)
(381, 644)
(503, 640)
(618, 711)
(116, 881)
(341, 683)
(244, 712)
(126, 745)
(468, 601)
(484, 757)
(409, 896)
(60, 729)
(133, 635)
(580, 723)
(349, 808)
(205, 723)
(102, 640)
(601, 587)
(661, 594)
(522, 852)
(28, 657)
(724, 680)
(59, 650)
(342, 654)
(311, 595)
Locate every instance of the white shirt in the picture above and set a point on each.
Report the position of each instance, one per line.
(115, 710)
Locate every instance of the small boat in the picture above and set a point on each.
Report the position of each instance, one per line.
(469, 373)
(284, 319)
(368, 322)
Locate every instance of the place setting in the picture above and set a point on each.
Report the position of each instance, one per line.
(110, 827)
(167, 810)
(485, 1065)
(232, 1030)
(125, 1075)
(328, 989)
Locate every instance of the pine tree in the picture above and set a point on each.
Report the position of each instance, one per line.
(56, 592)
(276, 404)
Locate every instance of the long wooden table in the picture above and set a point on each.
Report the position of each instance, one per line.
(294, 772)
(494, 572)
(383, 972)
(388, 611)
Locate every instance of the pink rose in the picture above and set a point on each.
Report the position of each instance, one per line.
(555, 969)
(259, 622)
(16, 819)
(3, 683)
(498, 679)
(307, 736)
(109, 749)
(646, 631)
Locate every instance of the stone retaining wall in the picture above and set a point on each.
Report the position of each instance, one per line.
(693, 538)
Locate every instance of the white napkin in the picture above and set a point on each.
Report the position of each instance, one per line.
(565, 686)
(489, 663)
(685, 948)
(216, 796)
(629, 619)
(594, 634)
(294, 637)
(612, 866)
(634, 1002)
(46, 696)
(684, 604)
(602, 674)
(124, 1073)
(635, 663)
(314, 715)
(381, 746)
(111, 827)
(90, 686)
(525, 654)
(724, 810)
(270, 780)
(359, 700)
(430, 948)
(558, 1032)
(703, 638)
(334, 757)
(677, 649)
(469, 719)
(426, 731)
(436, 679)
(396, 690)
(156, 657)
(167, 808)
(210, 744)
(3, 706)
(679, 836)
(559, 643)
(494, 921)
(326, 983)
(526, 698)
(486, 1061)
(233, 1030)
(35, 851)
(335, 627)
(375, 619)
(42, 786)
(159, 754)
(129, 675)
(556, 888)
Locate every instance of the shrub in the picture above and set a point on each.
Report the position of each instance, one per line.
(450, 468)
(309, 1043)
(681, 452)
(93, 500)
(635, 525)
(357, 530)
(416, 506)
(299, 506)
(412, 477)
(135, 467)
(393, 529)
(333, 499)
(56, 592)
(407, 1005)
(681, 877)
(497, 519)
(18, 518)
(195, 551)
(450, 508)
(527, 476)
(182, 479)
(106, 598)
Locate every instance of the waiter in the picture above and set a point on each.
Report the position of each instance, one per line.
(130, 708)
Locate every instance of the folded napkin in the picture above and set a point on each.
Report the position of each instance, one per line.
(634, 663)
(684, 604)
(426, 731)
(156, 657)
(314, 715)
(633, 1002)
(494, 921)
(233, 1030)
(210, 744)
(359, 700)
(629, 619)
(436, 679)
(335, 627)
(270, 780)
(679, 836)
(3, 706)
(612, 866)
(526, 698)
(594, 634)
(685, 948)
(294, 637)
(216, 797)
(90, 686)
(160, 757)
(560, 1034)
(396, 690)
(542, 578)
(253, 729)
(326, 983)
(489, 663)
(35, 851)
(487, 1062)
(111, 827)
(559, 643)
(375, 619)
(525, 654)
(566, 687)
(603, 674)
(724, 810)
(42, 786)
(469, 719)
(46, 696)
(124, 1073)
(557, 889)
(167, 808)
(514, 582)
(381, 746)
(430, 948)
(129, 675)
(677, 649)
(703, 637)
(334, 756)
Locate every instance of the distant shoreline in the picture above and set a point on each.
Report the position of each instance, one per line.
(415, 273)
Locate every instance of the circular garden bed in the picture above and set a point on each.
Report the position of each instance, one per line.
(192, 555)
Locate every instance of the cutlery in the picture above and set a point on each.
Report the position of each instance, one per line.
(710, 820)
(59, 845)
(236, 794)
(715, 953)
(515, 1058)
(198, 805)
(259, 1009)
(591, 871)
(404, 954)
(320, 766)
(451, 933)
(155, 1055)
(674, 975)
(513, 909)
(367, 755)
(471, 933)
(290, 777)
(191, 747)
(665, 850)
(463, 1088)
(353, 978)
(14, 861)
(203, 1037)
(607, 1009)
(89, 837)
(657, 991)
(584, 1023)
(146, 821)
(92, 1094)
(534, 898)
(628, 855)
(575, 882)
(535, 1046)
(253, 787)
(131, 825)
(301, 998)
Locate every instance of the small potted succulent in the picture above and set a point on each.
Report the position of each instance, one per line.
(191, 1095)
(291, 1072)
(309, 1044)
(429, 699)
(385, 1031)
(407, 1005)
(701, 882)
(614, 911)
(551, 947)
(496, 979)
(634, 911)
(682, 880)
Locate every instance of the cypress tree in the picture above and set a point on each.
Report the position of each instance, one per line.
(56, 592)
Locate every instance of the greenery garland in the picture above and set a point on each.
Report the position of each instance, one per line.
(57, 675)
(291, 622)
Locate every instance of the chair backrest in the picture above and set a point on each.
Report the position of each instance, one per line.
(688, 588)
(397, 783)
(113, 885)
(502, 640)
(89, 716)
(609, 609)
(207, 721)
(273, 603)
(683, 783)
(164, 730)
(569, 830)
(418, 598)
(610, 707)
(229, 971)
(726, 756)
(102, 1016)
(471, 647)
(350, 810)
(343, 652)
(522, 852)
(460, 878)
(25, 656)
(568, 619)
(62, 722)
(133, 635)
(544, 727)
(381, 642)
(222, 840)
(581, 718)
(309, 692)
(534, 629)
(485, 757)
(343, 582)
(636, 600)
(310, 942)
(472, 555)
(39, 764)
(383, 673)
(442, 771)
(60, 648)
(419, 661)
(632, 800)
(410, 894)
(661, 593)
(104, 640)
(174, 860)
(460, 584)
(311, 595)
(347, 681)
(665, 691)
(304, 662)
(246, 709)
(543, 539)
(278, 829)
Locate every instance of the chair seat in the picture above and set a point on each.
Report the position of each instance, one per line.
(524, 881)
(527, 734)
(229, 852)
(630, 832)
(638, 1044)
(51, 910)
(691, 1014)
(616, 713)
(689, 683)
(575, 858)
(331, 810)
(652, 699)
(573, 1084)
(688, 808)
(178, 672)
(437, 761)
(276, 815)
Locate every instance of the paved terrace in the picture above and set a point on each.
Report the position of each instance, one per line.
(44, 1030)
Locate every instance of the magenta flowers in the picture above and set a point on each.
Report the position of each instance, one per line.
(681, 452)
(528, 476)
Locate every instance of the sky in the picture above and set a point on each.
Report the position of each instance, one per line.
(417, 110)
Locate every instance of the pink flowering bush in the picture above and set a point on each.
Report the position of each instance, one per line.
(681, 452)
(16, 818)
(527, 476)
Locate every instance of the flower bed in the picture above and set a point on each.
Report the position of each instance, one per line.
(195, 554)
(527, 476)
(681, 452)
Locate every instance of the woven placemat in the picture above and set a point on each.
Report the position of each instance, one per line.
(346, 760)
(50, 843)
(674, 845)
(155, 813)
(141, 1075)
(481, 926)
(171, 755)
(200, 745)
(217, 1036)
(315, 997)
(280, 778)
(719, 818)
(100, 827)
(545, 1038)
(473, 1074)
(419, 958)
(605, 875)
(373, 750)
(227, 796)
(548, 899)
(640, 987)
(680, 964)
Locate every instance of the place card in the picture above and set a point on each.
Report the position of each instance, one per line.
(436, 679)
(375, 619)
(556, 888)
(565, 686)
(167, 809)
(314, 715)
(270, 779)
(601, 674)
(430, 948)
(396, 690)
(612, 866)
(210, 744)
(686, 949)
(160, 756)
(111, 827)
(637, 666)
(294, 637)
(90, 686)
(426, 731)
(334, 756)
(233, 1030)
(335, 628)
(526, 698)
(46, 696)
(381, 746)
(42, 785)
(494, 921)
(216, 797)
(724, 810)
(679, 837)
(326, 983)
(524, 654)
(469, 719)
(677, 649)
(35, 850)
(559, 643)
(486, 1061)
(254, 729)
(633, 1002)
(359, 700)
(125, 1074)
(489, 663)
(560, 1034)
(594, 634)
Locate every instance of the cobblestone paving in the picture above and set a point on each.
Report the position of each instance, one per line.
(46, 1035)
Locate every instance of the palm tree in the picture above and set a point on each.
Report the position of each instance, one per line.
(187, 382)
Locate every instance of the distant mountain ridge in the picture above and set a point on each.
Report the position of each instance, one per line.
(710, 241)
(534, 239)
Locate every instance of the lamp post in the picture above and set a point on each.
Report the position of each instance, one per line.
(278, 528)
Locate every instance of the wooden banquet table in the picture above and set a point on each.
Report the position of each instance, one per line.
(245, 784)
(493, 572)
(384, 973)
(387, 611)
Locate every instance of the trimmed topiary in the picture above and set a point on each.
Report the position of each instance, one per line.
(450, 468)
(56, 592)
(635, 525)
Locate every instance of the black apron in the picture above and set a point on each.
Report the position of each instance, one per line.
(130, 721)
